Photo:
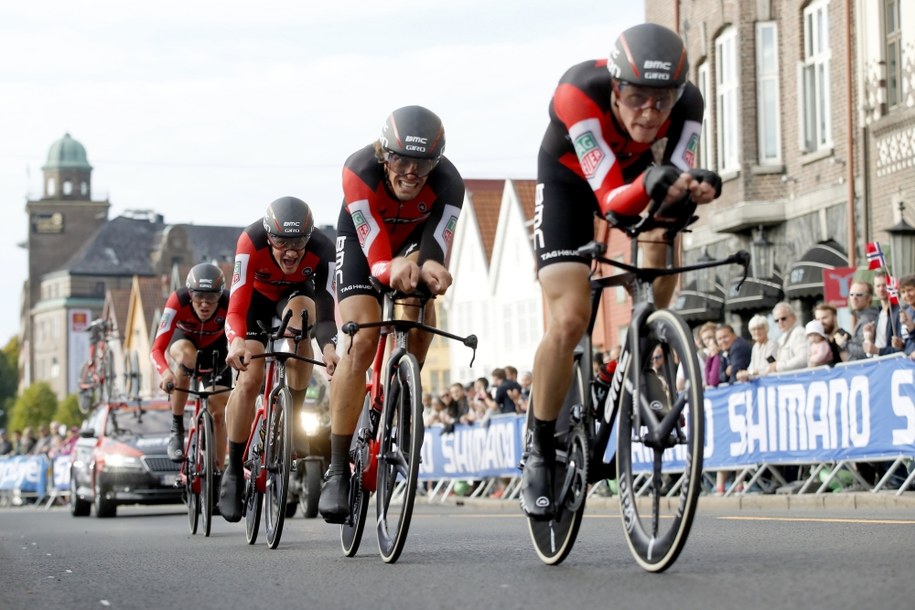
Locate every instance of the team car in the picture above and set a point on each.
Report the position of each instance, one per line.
(120, 458)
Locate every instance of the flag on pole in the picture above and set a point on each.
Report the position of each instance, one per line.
(875, 257)
(892, 289)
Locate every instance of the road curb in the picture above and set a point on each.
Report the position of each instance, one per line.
(887, 500)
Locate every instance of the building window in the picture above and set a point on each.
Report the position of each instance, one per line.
(84, 188)
(52, 187)
(55, 368)
(893, 53)
(813, 85)
(68, 187)
(706, 150)
(767, 93)
(726, 84)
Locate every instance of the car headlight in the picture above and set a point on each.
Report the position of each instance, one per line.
(119, 460)
(310, 422)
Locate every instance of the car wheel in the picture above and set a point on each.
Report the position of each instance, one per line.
(78, 506)
(104, 507)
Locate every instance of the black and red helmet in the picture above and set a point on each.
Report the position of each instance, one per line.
(649, 55)
(289, 217)
(413, 131)
(205, 277)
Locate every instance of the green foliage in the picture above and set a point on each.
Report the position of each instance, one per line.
(68, 412)
(9, 378)
(37, 405)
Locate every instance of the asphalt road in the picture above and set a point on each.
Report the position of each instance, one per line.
(832, 553)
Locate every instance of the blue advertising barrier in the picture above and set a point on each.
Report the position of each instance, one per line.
(26, 473)
(855, 412)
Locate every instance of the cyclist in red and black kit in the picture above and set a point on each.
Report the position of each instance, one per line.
(401, 203)
(596, 158)
(281, 263)
(194, 319)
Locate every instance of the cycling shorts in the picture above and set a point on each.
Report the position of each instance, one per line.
(218, 349)
(564, 213)
(264, 310)
(352, 271)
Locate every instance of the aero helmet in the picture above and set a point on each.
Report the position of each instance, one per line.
(289, 217)
(205, 277)
(649, 55)
(413, 131)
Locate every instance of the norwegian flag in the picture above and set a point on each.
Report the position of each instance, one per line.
(875, 257)
(892, 289)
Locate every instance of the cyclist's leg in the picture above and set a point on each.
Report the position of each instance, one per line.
(564, 221)
(217, 402)
(182, 355)
(298, 372)
(239, 417)
(347, 393)
(654, 256)
(358, 302)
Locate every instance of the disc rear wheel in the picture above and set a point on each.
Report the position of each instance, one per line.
(660, 443)
(553, 539)
(351, 530)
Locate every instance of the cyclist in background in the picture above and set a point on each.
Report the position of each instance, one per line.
(401, 203)
(194, 319)
(596, 158)
(281, 263)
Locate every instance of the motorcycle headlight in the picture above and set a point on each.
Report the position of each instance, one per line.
(310, 422)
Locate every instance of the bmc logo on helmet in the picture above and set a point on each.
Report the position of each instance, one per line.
(291, 223)
(654, 64)
(417, 139)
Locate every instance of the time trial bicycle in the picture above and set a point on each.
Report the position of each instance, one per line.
(660, 431)
(269, 451)
(96, 378)
(385, 453)
(200, 467)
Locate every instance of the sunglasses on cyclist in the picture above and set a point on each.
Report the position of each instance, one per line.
(635, 97)
(205, 297)
(287, 243)
(402, 165)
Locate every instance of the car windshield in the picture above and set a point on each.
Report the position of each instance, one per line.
(138, 422)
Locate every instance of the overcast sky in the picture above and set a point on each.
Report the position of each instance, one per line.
(206, 111)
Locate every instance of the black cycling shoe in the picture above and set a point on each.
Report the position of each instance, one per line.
(334, 502)
(537, 487)
(230, 491)
(176, 446)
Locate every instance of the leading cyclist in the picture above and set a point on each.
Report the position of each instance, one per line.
(401, 203)
(596, 158)
(281, 263)
(194, 319)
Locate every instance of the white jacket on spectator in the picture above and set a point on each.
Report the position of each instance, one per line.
(792, 349)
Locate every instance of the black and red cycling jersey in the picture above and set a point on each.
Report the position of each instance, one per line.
(584, 136)
(257, 270)
(383, 223)
(179, 315)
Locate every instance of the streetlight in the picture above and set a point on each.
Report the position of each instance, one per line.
(761, 255)
(902, 243)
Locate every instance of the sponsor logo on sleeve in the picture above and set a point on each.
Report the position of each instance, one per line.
(362, 226)
(448, 233)
(689, 154)
(168, 316)
(589, 153)
(240, 271)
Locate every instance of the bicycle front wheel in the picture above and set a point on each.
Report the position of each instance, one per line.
(279, 457)
(398, 460)
(192, 481)
(207, 461)
(553, 540)
(660, 443)
(88, 389)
